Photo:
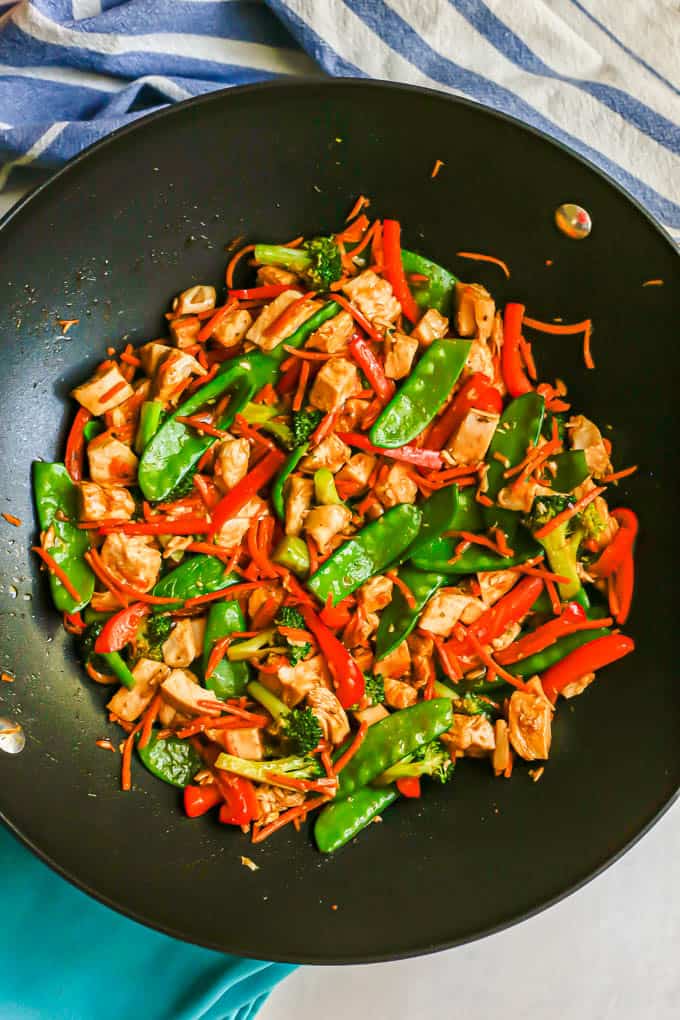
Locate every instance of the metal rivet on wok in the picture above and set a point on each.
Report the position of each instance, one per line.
(12, 736)
(573, 220)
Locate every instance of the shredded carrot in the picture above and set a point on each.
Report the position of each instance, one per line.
(491, 663)
(563, 329)
(126, 768)
(149, 719)
(217, 653)
(233, 263)
(307, 785)
(477, 257)
(553, 595)
(297, 634)
(472, 539)
(262, 832)
(113, 390)
(501, 540)
(267, 395)
(501, 458)
(301, 386)
(120, 587)
(481, 498)
(313, 554)
(615, 476)
(296, 242)
(570, 512)
(528, 356)
(324, 427)
(356, 743)
(532, 571)
(368, 236)
(6, 678)
(130, 359)
(360, 204)
(252, 432)
(653, 283)
(105, 745)
(264, 617)
(99, 678)
(448, 660)
(403, 588)
(288, 313)
(310, 355)
(58, 572)
(439, 163)
(231, 592)
(66, 324)
(210, 550)
(11, 519)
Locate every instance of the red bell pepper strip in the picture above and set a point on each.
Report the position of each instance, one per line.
(512, 369)
(244, 490)
(198, 800)
(585, 659)
(259, 293)
(571, 619)
(620, 546)
(240, 802)
(347, 677)
(120, 629)
(496, 620)
(372, 369)
(394, 270)
(409, 786)
(159, 526)
(476, 392)
(75, 445)
(428, 459)
(624, 582)
(336, 616)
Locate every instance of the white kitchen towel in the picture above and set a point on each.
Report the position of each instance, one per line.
(600, 75)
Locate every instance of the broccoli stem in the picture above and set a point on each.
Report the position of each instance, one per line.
(257, 414)
(244, 649)
(274, 705)
(292, 552)
(402, 770)
(324, 487)
(259, 771)
(295, 259)
(562, 552)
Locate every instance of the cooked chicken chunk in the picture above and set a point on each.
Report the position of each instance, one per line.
(129, 702)
(132, 559)
(330, 714)
(273, 276)
(232, 531)
(444, 610)
(422, 667)
(263, 594)
(502, 755)
(371, 715)
(181, 647)
(337, 380)
(172, 372)
(375, 594)
(432, 326)
(493, 584)
(334, 335)
(259, 331)
(353, 410)
(231, 462)
(585, 435)
(471, 735)
(577, 687)
(472, 438)
(530, 722)
(97, 394)
(273, 800)
(399, 694)
(99, 504)
(357, 471)
(152, 355)
(297, 681)
(475, 311)
(360, 627)
(519, 495)
(124, 418)
(396, 664)
(323, 523)
(199, 298)
(479, 359)
(373, 297)
(506, 638)
(111, 462)
(182, 690)
(299, 494)
(184, 331)
(396, 487)
(245, 743)
(174, 545)
(230, 330)
(331, 453)
(399, 358)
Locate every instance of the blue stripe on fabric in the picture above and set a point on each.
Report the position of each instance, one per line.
(26, 99)
(402, 38)
(314, 45)
(503, 39)
(622, 46)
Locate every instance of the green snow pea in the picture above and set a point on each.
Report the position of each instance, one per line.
(92, 428)
(369, 552)
(439, 515)
(440, 287)
(196, 576)
(397, 620)
(391, 739)
(55, 494)
(572, 471)
(436, 555)
(554, 653)
(150, 418)
(341, 821)
(228, 679)
(467, 702)
(172, 760)
(518, 428)
(282, 477)
(116, 664)
(418, 399)
(175, 448)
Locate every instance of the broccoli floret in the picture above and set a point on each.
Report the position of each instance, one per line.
(431, 760)
(375, 689)
(153, 632)
(303, 424)
(296, 653)
(86, 643)
(544, 509)
(297, 766)
(562, 543)
(289, 616)
(301, 729)
(546, 428)
(317, 260)
(183, 488)
(262, 415)
(591, 521)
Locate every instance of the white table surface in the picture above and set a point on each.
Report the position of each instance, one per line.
(609, 952)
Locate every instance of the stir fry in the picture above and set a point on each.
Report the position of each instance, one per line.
(332, 535)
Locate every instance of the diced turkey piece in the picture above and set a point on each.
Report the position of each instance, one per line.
(172, 372)
(231, 463)
(334, 335)
(472, 438)
(336, 381)
(578, 686)
(357, 471)
(373, 297)
(299, 494)
(246, 743)
(375, 594)
(181, 647)
(400, 355)
(330, 714)
(232, 531)
(494, 584)
(294, 682)
(199, 298)
(530, 722)
(432, 326)
(133, 559)
(152, 355)
(396, 487)
(128, 703)
(475, 310)
(396, 664)
(331, 453)
(444, 610)
(230, 330)
(271, 312)
(273, 800)
(97, 503)
(502, 755)
(93, 393)
(399, 694)
(471, 735)
(422, 667)
(352, 412)
(182, 690)
(111, 462)
(371, 715)
(184, 331)
(585, 435)
(360, 627)
(273, 276)
(323, 523)
(126, 415)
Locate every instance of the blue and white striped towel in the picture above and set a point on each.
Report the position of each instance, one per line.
(600, 75)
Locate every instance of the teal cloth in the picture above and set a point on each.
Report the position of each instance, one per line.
(63, 956)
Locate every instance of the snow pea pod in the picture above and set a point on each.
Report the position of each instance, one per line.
(398, 619)
(341, 821)
(196, 576)
(172, 760)
(369, 552)
(571, 470)
(518, 429)
(418, 399)
(439, 515)
(541, 661)
(282, 477)
(391, 739)
(55, 494)
(175, 448)
(440, 287)
(437, 555)
(228, 679)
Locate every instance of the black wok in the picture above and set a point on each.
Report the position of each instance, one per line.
(109, 240)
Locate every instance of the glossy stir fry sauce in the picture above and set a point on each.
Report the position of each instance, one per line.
(332, 535)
